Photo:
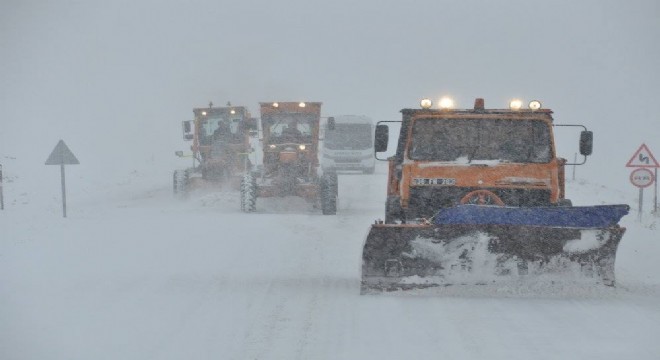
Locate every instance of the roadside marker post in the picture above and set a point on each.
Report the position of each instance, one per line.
(61, 155)
(2, 198)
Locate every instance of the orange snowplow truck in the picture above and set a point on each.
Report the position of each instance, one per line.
(447, 157)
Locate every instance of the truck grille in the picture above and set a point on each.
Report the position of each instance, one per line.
(348, 160)
(426, 201)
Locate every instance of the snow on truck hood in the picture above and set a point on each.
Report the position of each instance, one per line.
(459, 161)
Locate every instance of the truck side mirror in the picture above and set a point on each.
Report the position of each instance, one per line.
(586, 142)
(331, 123)
(382, 138)
(249, 125)
(187, 130)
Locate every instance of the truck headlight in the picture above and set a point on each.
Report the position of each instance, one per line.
(426, 103)
(446, 103)
(301, 146)
(302, 104)
(534, 105)
(273, 146)
(275, 105)
(515, 104)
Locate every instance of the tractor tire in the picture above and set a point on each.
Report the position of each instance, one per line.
(248, 194)
(329, 190)
(180, 180)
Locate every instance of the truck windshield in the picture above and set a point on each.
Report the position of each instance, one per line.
(349, 137)
(465, 140)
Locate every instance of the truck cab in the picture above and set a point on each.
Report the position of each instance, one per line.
(447, 157)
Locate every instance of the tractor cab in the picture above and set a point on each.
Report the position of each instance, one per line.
(224, 124)
(290, 158)
(220, 145)
(290, 135)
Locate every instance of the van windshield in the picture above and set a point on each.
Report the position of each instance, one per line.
(520, 141)
(349, 137)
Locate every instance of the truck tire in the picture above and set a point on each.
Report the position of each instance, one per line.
(393, 211)
(248, 193)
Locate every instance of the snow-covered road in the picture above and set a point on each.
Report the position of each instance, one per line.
(134, 274)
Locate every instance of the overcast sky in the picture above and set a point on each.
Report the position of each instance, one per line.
(114, 79)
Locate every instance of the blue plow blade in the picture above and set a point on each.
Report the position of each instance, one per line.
(583, 217)
(472, 244)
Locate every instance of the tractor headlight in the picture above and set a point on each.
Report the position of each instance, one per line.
(446, 103)
(426, 103)
(515, 104)
(534, 105)
(301, 146)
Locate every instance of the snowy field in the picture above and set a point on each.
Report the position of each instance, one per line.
(132, 273)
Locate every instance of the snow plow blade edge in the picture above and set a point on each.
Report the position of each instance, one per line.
(409, 256)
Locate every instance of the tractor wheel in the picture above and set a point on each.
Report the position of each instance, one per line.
(329, 194)
(248, 193)
(180, 183)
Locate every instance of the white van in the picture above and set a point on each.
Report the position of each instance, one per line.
(350, 145)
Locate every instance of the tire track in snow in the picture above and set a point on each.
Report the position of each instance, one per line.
(286, 322)
(278, 321)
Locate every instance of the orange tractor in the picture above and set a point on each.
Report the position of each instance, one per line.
(290, 158)
(220, 145)
(473, 194)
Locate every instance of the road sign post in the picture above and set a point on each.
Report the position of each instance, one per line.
(642, 177)
(61, 156)
(655, 193)
(2, 198)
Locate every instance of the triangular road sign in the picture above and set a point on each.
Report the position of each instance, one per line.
(643, 158)
(61, 155)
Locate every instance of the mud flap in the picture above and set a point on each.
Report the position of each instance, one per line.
(401, 257)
